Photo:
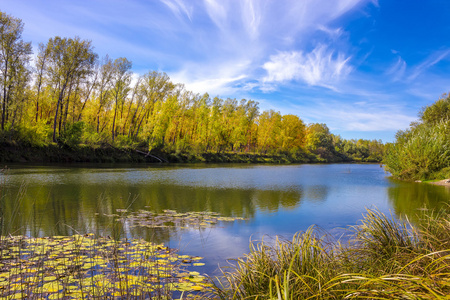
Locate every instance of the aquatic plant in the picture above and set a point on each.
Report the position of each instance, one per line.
(87, 267)
(172, 218)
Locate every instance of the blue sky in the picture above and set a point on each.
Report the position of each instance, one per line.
(363, 67)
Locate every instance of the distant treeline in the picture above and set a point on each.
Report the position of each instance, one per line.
(422, 152)
(72, 97)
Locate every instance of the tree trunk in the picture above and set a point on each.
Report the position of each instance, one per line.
(55, 121)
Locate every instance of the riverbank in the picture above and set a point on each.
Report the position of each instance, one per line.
(444, 182)
(12, 152)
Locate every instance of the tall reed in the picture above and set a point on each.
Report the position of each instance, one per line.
(384, 259)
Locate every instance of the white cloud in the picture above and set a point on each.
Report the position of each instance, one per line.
(218, 81)
(251, 17)
(217, 12)
(430, 61)
(320, 67)
(397, 71)
(358, 116)
(333, 33)
(178, 8)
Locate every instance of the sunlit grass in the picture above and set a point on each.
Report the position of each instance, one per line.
(384, 259)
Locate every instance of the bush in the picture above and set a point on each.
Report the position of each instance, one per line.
(73, 133)
(419, 153)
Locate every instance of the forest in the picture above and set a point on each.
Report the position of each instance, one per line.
(64, 96)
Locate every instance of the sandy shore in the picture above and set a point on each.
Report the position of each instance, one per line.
(445, 182)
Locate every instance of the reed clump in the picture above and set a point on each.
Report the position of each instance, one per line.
(382, 259)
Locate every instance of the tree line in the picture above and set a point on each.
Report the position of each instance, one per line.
(71, 96)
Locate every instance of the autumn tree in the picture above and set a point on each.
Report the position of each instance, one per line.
(269, 131)
(41, 65)
(69, 60)
(154, 87)
(121, 79)
(14, 60)
(292, 133)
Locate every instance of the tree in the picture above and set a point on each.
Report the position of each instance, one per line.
(155, 86)
(68, 61)
(437, 112)
(319, 141)
(292, 133)
(14, 59)
(269, 130)
(121, 79)
(41, 63)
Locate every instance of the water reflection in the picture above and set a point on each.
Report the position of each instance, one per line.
(66, 201)
(45, 201)
(317, 193)
(410, 198)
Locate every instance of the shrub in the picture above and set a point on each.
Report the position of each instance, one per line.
(419, 153)
(73, 133)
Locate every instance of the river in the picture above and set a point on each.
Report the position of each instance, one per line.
(271, 200)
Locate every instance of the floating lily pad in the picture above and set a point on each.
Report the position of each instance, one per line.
(172, 218)
(90, 267)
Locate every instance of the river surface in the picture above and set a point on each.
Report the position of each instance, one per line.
(272, 199)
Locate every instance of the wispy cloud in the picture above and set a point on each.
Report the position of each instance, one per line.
(397, 70)
(252, 15)
(430, 61)
(220, 81)
(333, 33)
(321, 66)
(217, 12)
(179, 8)
(358, 116)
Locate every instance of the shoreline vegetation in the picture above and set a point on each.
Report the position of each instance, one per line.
(384, 259)
(422, 152)
(12, 152)
(72, 106)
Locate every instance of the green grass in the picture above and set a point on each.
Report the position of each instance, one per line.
(384, 259)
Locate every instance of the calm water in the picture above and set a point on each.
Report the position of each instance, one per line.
(275, 200)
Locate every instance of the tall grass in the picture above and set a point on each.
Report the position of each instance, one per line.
(384, 259)
(289, 269)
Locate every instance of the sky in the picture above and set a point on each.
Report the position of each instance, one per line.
(363, 67)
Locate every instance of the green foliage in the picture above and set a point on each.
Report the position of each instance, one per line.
(36, 135)
(422, 152)
(438, 112)
(419, 153)
(15, 56)
(123, 141)
(73, 134)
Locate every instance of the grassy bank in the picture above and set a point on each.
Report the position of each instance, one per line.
(383, 260)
